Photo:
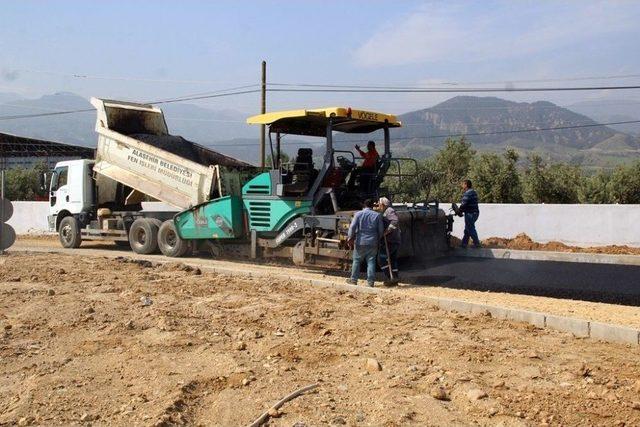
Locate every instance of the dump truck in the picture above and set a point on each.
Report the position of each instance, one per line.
(293, 210)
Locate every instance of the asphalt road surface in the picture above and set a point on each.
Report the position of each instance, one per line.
(619, 284)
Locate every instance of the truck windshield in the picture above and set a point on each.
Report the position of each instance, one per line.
(59, 177)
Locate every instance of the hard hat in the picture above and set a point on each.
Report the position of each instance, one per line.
(384, 201)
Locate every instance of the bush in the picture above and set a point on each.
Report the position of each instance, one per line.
(555, 183)
(23, 183)
(496, 177)
(624, 185)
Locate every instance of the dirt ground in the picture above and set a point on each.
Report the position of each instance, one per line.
(92, 340)
(624, 315)
(524, 242)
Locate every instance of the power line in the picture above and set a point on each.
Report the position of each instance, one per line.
(121, 78)
(454, 90)
(426, 86)
(452, 135)
(165, 101)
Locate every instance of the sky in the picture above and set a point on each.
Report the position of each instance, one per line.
(145, 50)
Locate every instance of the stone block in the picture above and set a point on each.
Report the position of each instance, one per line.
(614, 333)
(578, 327)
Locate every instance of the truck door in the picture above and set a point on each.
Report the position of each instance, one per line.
(59, 191)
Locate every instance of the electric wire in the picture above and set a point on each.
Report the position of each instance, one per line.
(454, 90)
(452, 135)
(163, 101)
(426, 85)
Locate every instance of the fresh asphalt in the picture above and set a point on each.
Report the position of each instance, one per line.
(609, 283)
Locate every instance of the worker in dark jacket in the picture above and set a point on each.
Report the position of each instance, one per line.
(364, 236)
(390, 243)
(469, 208)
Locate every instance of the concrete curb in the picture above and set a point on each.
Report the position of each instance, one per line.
(578, 327)
(580, 257)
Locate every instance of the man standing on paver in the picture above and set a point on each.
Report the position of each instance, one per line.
(390, 243)
(469, 209)
(365, 232)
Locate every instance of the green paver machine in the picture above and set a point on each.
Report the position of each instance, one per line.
(302, 212)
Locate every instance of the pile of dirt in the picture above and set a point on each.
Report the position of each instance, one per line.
(112, 342)
(524, 242)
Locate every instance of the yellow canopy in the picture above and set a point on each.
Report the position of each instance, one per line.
(314, 122)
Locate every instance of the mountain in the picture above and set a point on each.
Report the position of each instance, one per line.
(488, 123)
(9, 97)
(422, 133)
(195, 123)
(612, 111)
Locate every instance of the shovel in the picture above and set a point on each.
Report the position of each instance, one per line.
(386, 247)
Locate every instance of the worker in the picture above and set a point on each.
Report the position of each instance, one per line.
(390, 243)
(469, 209)
(365, 232)
(367, 170)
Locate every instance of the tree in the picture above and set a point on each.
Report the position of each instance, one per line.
(496, 178)
(24, 183)
(448, 167)
(625, 184)
(284, 158)
(555, 183)
(596, 188)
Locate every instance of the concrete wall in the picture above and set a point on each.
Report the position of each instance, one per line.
(578, 225)
(581, 225)
(31, 217)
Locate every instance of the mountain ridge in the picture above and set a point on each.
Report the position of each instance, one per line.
(489, 122)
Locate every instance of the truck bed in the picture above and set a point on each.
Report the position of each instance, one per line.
(136, 149)
(188, 150)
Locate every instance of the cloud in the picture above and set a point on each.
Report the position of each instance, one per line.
(473, 31)
(10, 75)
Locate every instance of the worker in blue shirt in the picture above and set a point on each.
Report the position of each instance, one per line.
(469, 208)
(365, 232)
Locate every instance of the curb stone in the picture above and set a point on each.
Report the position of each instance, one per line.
(579, 257)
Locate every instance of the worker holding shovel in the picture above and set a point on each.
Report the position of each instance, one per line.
(390, 242)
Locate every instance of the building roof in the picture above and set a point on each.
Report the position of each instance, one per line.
(314, 122)
(19, 146)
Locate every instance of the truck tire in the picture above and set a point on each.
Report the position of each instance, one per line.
(69, 232)
(143, 236)
(169, 242)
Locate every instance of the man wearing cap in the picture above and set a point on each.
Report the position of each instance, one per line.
(390, 241)
(364, 236)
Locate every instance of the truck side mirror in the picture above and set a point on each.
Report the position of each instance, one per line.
(43, 181)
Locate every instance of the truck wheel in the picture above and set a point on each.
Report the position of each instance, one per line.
(69, 232)
(169, 242)
(143, 236)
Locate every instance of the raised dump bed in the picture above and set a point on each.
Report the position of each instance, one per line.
(136, 149)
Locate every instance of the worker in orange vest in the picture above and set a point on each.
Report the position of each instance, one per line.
(367, 170)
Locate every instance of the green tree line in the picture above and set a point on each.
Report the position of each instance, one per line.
(499, 178)
(24, 183)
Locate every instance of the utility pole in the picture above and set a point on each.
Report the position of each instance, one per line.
(263, 109)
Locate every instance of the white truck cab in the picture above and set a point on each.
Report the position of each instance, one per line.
(71, 191)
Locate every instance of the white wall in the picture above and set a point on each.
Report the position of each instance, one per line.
(581, 225)
(31, 217)
(577, 225)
